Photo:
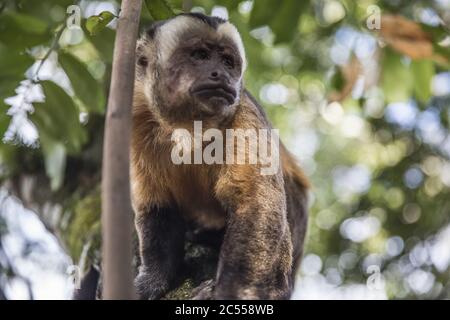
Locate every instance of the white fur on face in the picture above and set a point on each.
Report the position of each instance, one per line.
(170, 32)
(228, 30)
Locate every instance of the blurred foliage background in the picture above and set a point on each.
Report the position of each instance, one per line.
(360, 91)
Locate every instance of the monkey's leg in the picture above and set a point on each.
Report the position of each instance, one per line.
(256, 256)
(161, 234)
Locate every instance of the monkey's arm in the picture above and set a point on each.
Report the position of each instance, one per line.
(160, 229)
(256, 255)
(161, 246)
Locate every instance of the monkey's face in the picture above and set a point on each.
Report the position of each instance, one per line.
(198, 69)
(203, 76)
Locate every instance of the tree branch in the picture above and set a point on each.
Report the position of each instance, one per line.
(116, 205)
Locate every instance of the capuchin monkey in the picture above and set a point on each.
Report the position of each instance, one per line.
(190, 68)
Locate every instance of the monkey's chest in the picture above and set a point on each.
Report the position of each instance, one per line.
(194, 193)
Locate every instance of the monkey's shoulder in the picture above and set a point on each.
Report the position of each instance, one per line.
(254, 112)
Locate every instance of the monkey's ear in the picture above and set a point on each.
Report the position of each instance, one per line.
(142, 61)
(146, 41)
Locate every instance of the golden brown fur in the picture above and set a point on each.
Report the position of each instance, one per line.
(197, 188)
(157, 180)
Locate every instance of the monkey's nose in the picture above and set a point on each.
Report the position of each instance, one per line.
(218, 76)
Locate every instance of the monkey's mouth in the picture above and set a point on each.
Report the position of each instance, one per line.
(214, 90)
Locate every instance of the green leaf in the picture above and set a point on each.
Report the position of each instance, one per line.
(159, 9)
(4, 120)
(262, 12)
(55, 161)
(438, 32)
(44, 9)
(177, 4)
(86, 88)
(229, 4)
(8, 85)
(22, 31)
(13, 63)
(397, 80)
(282, 17)
(95, 24)
(444, 52)
(337, 81)
(103, 42)
(423, 71)
(285, 22)
(8, 160)
(57, 118)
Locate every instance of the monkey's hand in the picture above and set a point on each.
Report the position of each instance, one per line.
(149, 286)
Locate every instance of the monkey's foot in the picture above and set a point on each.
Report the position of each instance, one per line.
(204, 291)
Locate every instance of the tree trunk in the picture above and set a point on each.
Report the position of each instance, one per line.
(116, 205)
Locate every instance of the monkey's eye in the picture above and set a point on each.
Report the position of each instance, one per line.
(228, 61)
(142, 61)
(200, 54)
